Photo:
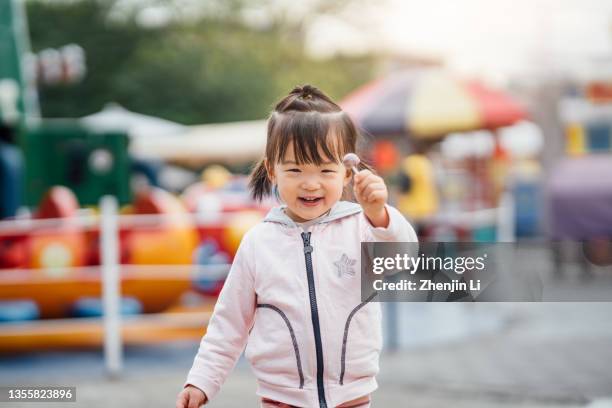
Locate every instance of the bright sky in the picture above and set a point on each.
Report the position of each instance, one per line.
(483, 37)
(478, 36)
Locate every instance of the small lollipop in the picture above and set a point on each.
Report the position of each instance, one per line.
(351, 160)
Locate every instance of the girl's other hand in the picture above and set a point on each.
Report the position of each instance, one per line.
(191, 397)
(371, 193)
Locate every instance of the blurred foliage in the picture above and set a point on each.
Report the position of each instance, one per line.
(207, 68)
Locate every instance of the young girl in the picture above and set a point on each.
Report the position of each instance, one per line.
(293, 294)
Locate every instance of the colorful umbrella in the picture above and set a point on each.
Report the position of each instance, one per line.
(428, 105)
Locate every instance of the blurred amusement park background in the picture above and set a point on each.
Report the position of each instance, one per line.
(128, 128)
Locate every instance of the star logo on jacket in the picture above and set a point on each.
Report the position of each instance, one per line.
(345, 266)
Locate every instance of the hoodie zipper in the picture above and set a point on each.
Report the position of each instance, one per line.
(314, 312)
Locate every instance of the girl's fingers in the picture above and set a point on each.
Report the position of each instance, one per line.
(365, 188)
(193, 402)
(368, 179)
(361, 175)
(182, 400)
(373, 196)
(365, 197)
(369, 187)
(372, 187)
(378, 195)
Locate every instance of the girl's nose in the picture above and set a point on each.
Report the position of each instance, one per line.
(310, 183)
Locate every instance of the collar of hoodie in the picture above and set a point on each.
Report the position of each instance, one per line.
(340, 210)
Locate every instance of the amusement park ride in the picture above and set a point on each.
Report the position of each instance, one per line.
(50, 254)
(173, 250)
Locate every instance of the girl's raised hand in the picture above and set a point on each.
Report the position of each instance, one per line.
(190, 397)
(371, 193)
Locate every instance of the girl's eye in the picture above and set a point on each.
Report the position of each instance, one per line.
(328, 171)
(294, 170)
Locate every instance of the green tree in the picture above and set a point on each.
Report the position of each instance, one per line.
(211, 67)
(108, 46)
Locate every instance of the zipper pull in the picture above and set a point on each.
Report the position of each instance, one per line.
(306, 239)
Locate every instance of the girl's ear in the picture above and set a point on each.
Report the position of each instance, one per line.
(269, 170)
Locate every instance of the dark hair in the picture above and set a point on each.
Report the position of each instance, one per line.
(309, 119)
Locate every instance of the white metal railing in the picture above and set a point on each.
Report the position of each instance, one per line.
(193, 272)
(92, 222)
(111, 285)
(110, 271)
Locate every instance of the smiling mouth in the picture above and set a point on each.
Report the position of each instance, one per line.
(310, 200)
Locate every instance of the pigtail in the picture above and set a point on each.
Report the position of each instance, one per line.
(307, 98)
(259, 183)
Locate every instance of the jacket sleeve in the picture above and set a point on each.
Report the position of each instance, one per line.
(228, 327)
(398, 230)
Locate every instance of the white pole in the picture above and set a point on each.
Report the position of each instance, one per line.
(111, 290)
(505, 218)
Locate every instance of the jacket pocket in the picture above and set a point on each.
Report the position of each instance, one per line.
(271, 343)
(361, 342)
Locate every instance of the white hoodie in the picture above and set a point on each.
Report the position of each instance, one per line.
(294, 299)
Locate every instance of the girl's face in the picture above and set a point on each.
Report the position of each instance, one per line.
(308, 190)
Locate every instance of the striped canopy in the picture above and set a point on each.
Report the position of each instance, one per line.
(428, 105)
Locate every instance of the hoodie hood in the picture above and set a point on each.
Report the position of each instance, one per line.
(340, 210)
